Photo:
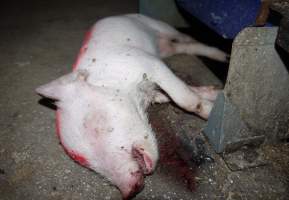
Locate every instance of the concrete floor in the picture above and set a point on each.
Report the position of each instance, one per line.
(39, 42)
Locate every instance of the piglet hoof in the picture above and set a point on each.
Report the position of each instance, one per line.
(220, 56)
(203, 109)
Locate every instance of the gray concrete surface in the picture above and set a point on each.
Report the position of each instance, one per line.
(39, 42)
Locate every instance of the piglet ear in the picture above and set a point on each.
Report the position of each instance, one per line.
(60, 87)
(53, 89)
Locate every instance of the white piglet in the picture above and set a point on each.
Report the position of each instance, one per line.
(101, 117)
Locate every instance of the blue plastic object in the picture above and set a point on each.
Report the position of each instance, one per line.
(226, 17)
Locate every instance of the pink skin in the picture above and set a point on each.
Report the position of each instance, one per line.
(94, 146)
(101, 118)
(143, 160)
(135, 186)
(206, 92)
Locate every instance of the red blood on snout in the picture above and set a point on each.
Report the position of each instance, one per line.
(136, 186)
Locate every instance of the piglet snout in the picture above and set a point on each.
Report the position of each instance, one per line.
(144, 161)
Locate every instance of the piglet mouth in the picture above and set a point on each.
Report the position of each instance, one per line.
(135, 187)
(145, 164)
(144, 161)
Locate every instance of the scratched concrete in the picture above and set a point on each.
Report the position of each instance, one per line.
(39, 42)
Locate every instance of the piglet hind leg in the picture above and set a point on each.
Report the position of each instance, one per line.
(171, 41)
(179, 92)
(179, 44)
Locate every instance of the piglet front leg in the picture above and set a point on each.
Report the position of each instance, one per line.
(206, 92)
(192, 99)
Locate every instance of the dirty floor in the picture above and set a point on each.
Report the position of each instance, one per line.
(39, 42)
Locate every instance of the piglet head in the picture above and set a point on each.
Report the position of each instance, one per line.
(105, 128)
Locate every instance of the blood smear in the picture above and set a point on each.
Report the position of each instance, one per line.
(83, 49)
(74, 155)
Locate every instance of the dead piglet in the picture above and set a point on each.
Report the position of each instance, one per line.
(103, 132)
